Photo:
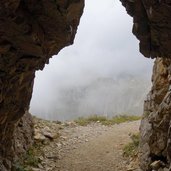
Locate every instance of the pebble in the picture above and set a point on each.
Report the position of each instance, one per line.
(156, 165)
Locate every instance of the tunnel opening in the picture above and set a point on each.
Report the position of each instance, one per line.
(96, 75)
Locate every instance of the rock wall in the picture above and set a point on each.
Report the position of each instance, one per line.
(30, 33)
(151, 26)
(21, 138)
(155, 125)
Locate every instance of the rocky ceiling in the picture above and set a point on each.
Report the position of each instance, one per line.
(151, 26)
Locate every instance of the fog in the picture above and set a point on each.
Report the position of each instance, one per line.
(102, 73)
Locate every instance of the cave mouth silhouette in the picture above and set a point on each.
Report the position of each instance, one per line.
(104, 48)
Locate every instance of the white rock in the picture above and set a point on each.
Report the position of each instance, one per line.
(39, 136)
(156, 165)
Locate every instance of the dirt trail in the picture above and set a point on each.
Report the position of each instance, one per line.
(101, 153)
(90, 148)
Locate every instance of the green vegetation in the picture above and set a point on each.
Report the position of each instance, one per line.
(19, 167)
(131, 149)
(94, 118)
(146, 114)
(105, 120)
(29, 160)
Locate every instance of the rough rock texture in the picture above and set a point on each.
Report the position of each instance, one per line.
(30, 33)
(151, 25)
(22, 139)
(23, 135)
(155, 126)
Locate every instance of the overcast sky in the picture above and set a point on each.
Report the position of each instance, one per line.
(104, 47)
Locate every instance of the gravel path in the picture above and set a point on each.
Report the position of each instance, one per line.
(90, 148)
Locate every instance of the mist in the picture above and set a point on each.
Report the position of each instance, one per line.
(103, 73)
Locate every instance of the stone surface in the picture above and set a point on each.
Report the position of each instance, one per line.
(22, 139)
(155, 125)
(43, 133)
(30, 33)
(163, 169)
(151, 25)
(156, 165)
(23, 135)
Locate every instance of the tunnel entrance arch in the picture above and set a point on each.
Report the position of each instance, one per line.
(95, 70)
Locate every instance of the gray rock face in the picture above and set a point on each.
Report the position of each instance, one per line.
(21, 140)
(155, 125)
